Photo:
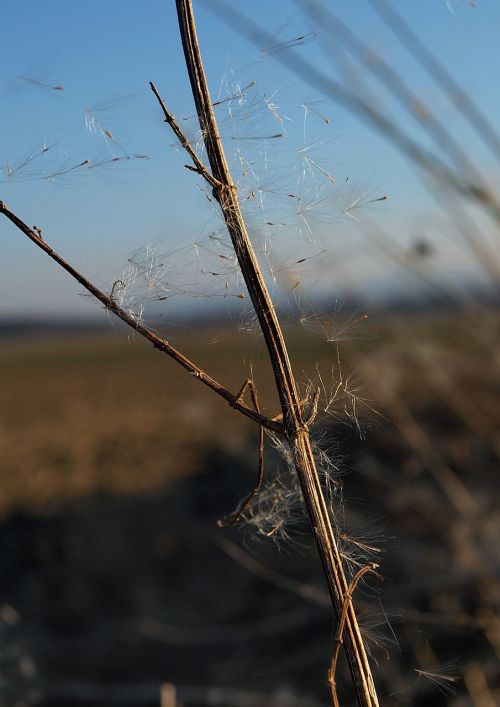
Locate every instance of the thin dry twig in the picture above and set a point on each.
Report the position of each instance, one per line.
(340, 629)
(198, 164)
(158, 342)
(236, 516)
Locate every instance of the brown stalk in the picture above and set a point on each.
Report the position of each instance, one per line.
(158, 342)
(340, 629)
(295, 429)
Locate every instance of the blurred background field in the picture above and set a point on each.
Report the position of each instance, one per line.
(115, 468)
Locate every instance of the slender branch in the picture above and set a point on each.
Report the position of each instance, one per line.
(158, 342)
(236, 516)
(295, 429)
(340, 629)
(169, 118)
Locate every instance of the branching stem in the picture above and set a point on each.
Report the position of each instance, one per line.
(108, 300)
(292, 425)
(295, 428)
(238, 513)
(340, 629)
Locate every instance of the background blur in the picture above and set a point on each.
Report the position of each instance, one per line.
(365, 151)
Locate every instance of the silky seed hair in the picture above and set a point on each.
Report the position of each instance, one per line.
(286, 205)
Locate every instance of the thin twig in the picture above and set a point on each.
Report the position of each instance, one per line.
(340, 629)
(236, 516)
(158, 342)
(169, 118)
(310, 406)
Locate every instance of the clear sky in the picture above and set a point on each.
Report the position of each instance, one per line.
(75, 88)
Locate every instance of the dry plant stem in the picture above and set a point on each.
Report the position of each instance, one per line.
(158, 342)
(295, 429)
(169, 118)
(236, 516)
(340, 629)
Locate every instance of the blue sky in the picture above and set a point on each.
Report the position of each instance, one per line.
(102, 214)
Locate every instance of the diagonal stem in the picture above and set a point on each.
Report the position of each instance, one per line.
(169, 118)
(158, 342)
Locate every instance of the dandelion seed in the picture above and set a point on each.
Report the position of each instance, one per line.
(238, 95)
(26, 168)
(275, 112)
(323, 171)
(444, 683)
(372, 629)
(301, 40)
(360, 201)
(258, 137)
(108, 111)
(303, 260)
(308, 107)
(40, 84)
(64, 171)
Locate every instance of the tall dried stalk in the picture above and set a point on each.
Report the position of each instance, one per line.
(295, 428)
